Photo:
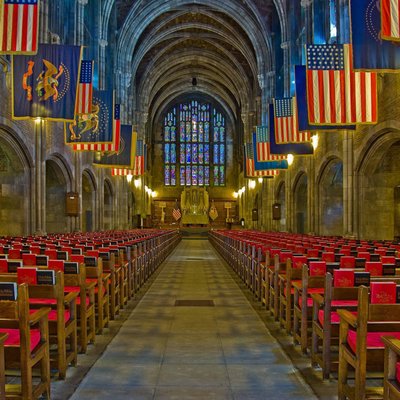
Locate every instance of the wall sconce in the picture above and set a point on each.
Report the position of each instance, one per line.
(235, 195)
(314, 141)
(260, 180)
(38, 120)
(137, 183)
(129, 178)
(252, 184)
(153, 194)
(290, 159)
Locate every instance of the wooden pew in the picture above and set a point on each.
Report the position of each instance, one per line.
(313, 281)
(391, 376)
(3, 337)
(26, 347)
(360, 346)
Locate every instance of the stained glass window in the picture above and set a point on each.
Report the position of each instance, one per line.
(198, 150)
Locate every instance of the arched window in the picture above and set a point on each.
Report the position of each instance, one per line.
(194, 145)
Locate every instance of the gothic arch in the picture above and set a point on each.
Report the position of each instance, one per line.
(377, 177)
(16, 177)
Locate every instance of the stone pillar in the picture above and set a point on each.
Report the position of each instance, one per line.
(348, 179)
(77, 224)
(307, 5)
(289, 200)
(102, 63)
(80, 22)
(100, 199)
(40, 177)
(311, 189)
(269, 199)
(44, 21)
(285, 46)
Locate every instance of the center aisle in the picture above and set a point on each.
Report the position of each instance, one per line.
(193, 350)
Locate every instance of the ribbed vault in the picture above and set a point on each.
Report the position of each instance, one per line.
(163, 45)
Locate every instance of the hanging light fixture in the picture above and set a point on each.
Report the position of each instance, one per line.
(314, 141)
(290, 159)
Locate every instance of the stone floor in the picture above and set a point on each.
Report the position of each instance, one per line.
(166, 351)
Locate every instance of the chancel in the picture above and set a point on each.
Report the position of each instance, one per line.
(199, 199)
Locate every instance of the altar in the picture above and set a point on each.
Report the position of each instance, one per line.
(194, 204)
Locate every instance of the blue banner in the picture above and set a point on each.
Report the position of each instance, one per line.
(125, 157)
(302, 108)
(263, 165)
(286, 148)
(370, 52)
(45, 85)
(94, 128)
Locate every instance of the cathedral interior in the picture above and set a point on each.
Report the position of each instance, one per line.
(197, 82)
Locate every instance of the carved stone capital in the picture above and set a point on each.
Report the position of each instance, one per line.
(103, 43)
(285, 45)
(83, 2)
(306, 3)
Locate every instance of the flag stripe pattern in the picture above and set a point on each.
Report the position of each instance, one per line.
(390, 19)
(336, 94)
(121, 172)
(263, 146)
(286, 122)
(250, 169)
(19, 26)
(116, 127)
(93, 147)
(85, 88)
(139, 158)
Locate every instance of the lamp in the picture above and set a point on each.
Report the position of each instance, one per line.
(290, 159)
(153, 194)
(235, 195)
(314, 141)
(38, 120)
(137, 183)
(129, 178)
(252, 184)
(260, 180)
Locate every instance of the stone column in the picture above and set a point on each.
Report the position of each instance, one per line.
(44, 21)
(311, 212)
(100, 199)
(307, 5)
(269, 197)
(77, 221)
(289, 200)
(348, 179)
(80, 22)
(285, 46)
(102, 63)
(40, 177)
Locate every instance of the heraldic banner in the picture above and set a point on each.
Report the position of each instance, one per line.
(45, 84)
(94, 128)
(125, 157)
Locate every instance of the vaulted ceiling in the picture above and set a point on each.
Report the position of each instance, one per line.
(225, 45)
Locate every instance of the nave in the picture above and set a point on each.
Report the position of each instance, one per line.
(166, 351)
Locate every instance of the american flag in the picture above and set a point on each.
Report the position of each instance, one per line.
(336, 94)
(85, 88)
(19, 20)
(139, 158)
(263, 146)
(286, 122)
(176, 213)
(116, 127)
(390, 18)
(250, 170)
(121, 172)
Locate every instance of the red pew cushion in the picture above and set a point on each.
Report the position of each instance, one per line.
(13, 339)
(373, 339)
